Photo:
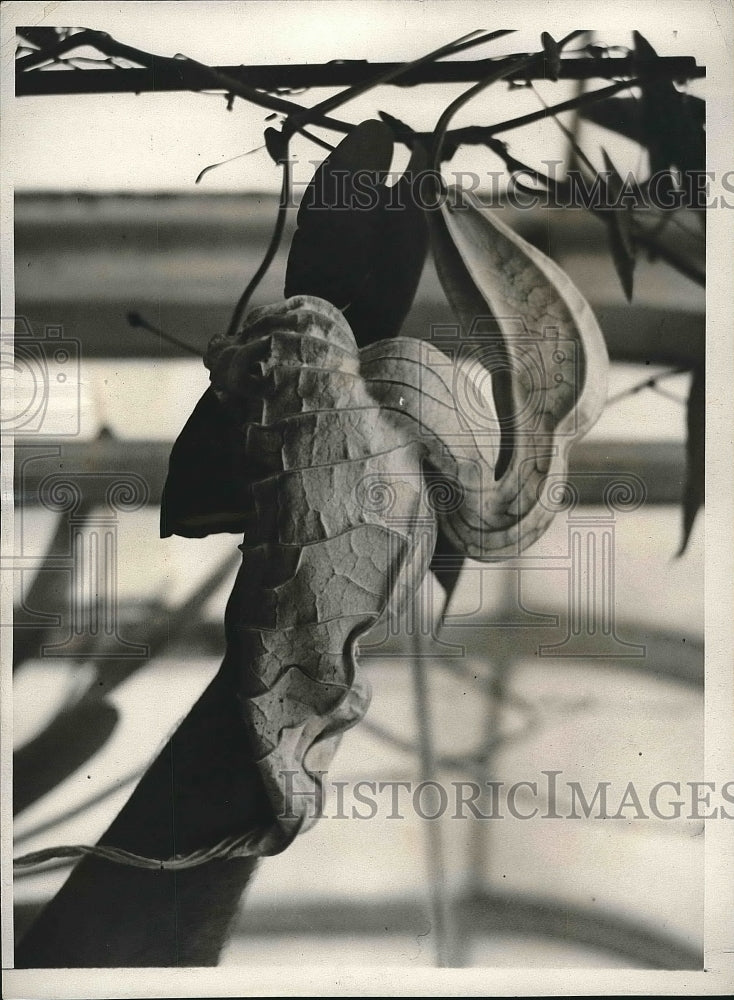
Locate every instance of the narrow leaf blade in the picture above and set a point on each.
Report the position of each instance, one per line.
(619, 230)
(693, 495)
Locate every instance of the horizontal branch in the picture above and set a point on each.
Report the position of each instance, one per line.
(168, 75)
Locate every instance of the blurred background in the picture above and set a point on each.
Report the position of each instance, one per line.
(107, 220)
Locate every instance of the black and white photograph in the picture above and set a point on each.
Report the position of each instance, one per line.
(367, 478)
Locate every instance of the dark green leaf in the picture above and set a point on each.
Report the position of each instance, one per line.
(619, 229)
(672, 126)
(206, 489)
(693, 496)
(622, 115)
(359, 245)
(384, 300)
(394, 123)
(336, 245)
(551, 56)
(446, 565)
(276, 144)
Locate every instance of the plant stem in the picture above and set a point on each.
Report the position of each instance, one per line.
(244, 299)
(441, 916)
(349, 72)
(203, 785)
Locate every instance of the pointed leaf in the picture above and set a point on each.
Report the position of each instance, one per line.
(360, 245)
(673, 131)
(337, 243)
(552, 56)
(276, 144)
(619, 230)
(446, 566)
(624, 261)
(693, 496)
(622, 115)
(383, 302)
